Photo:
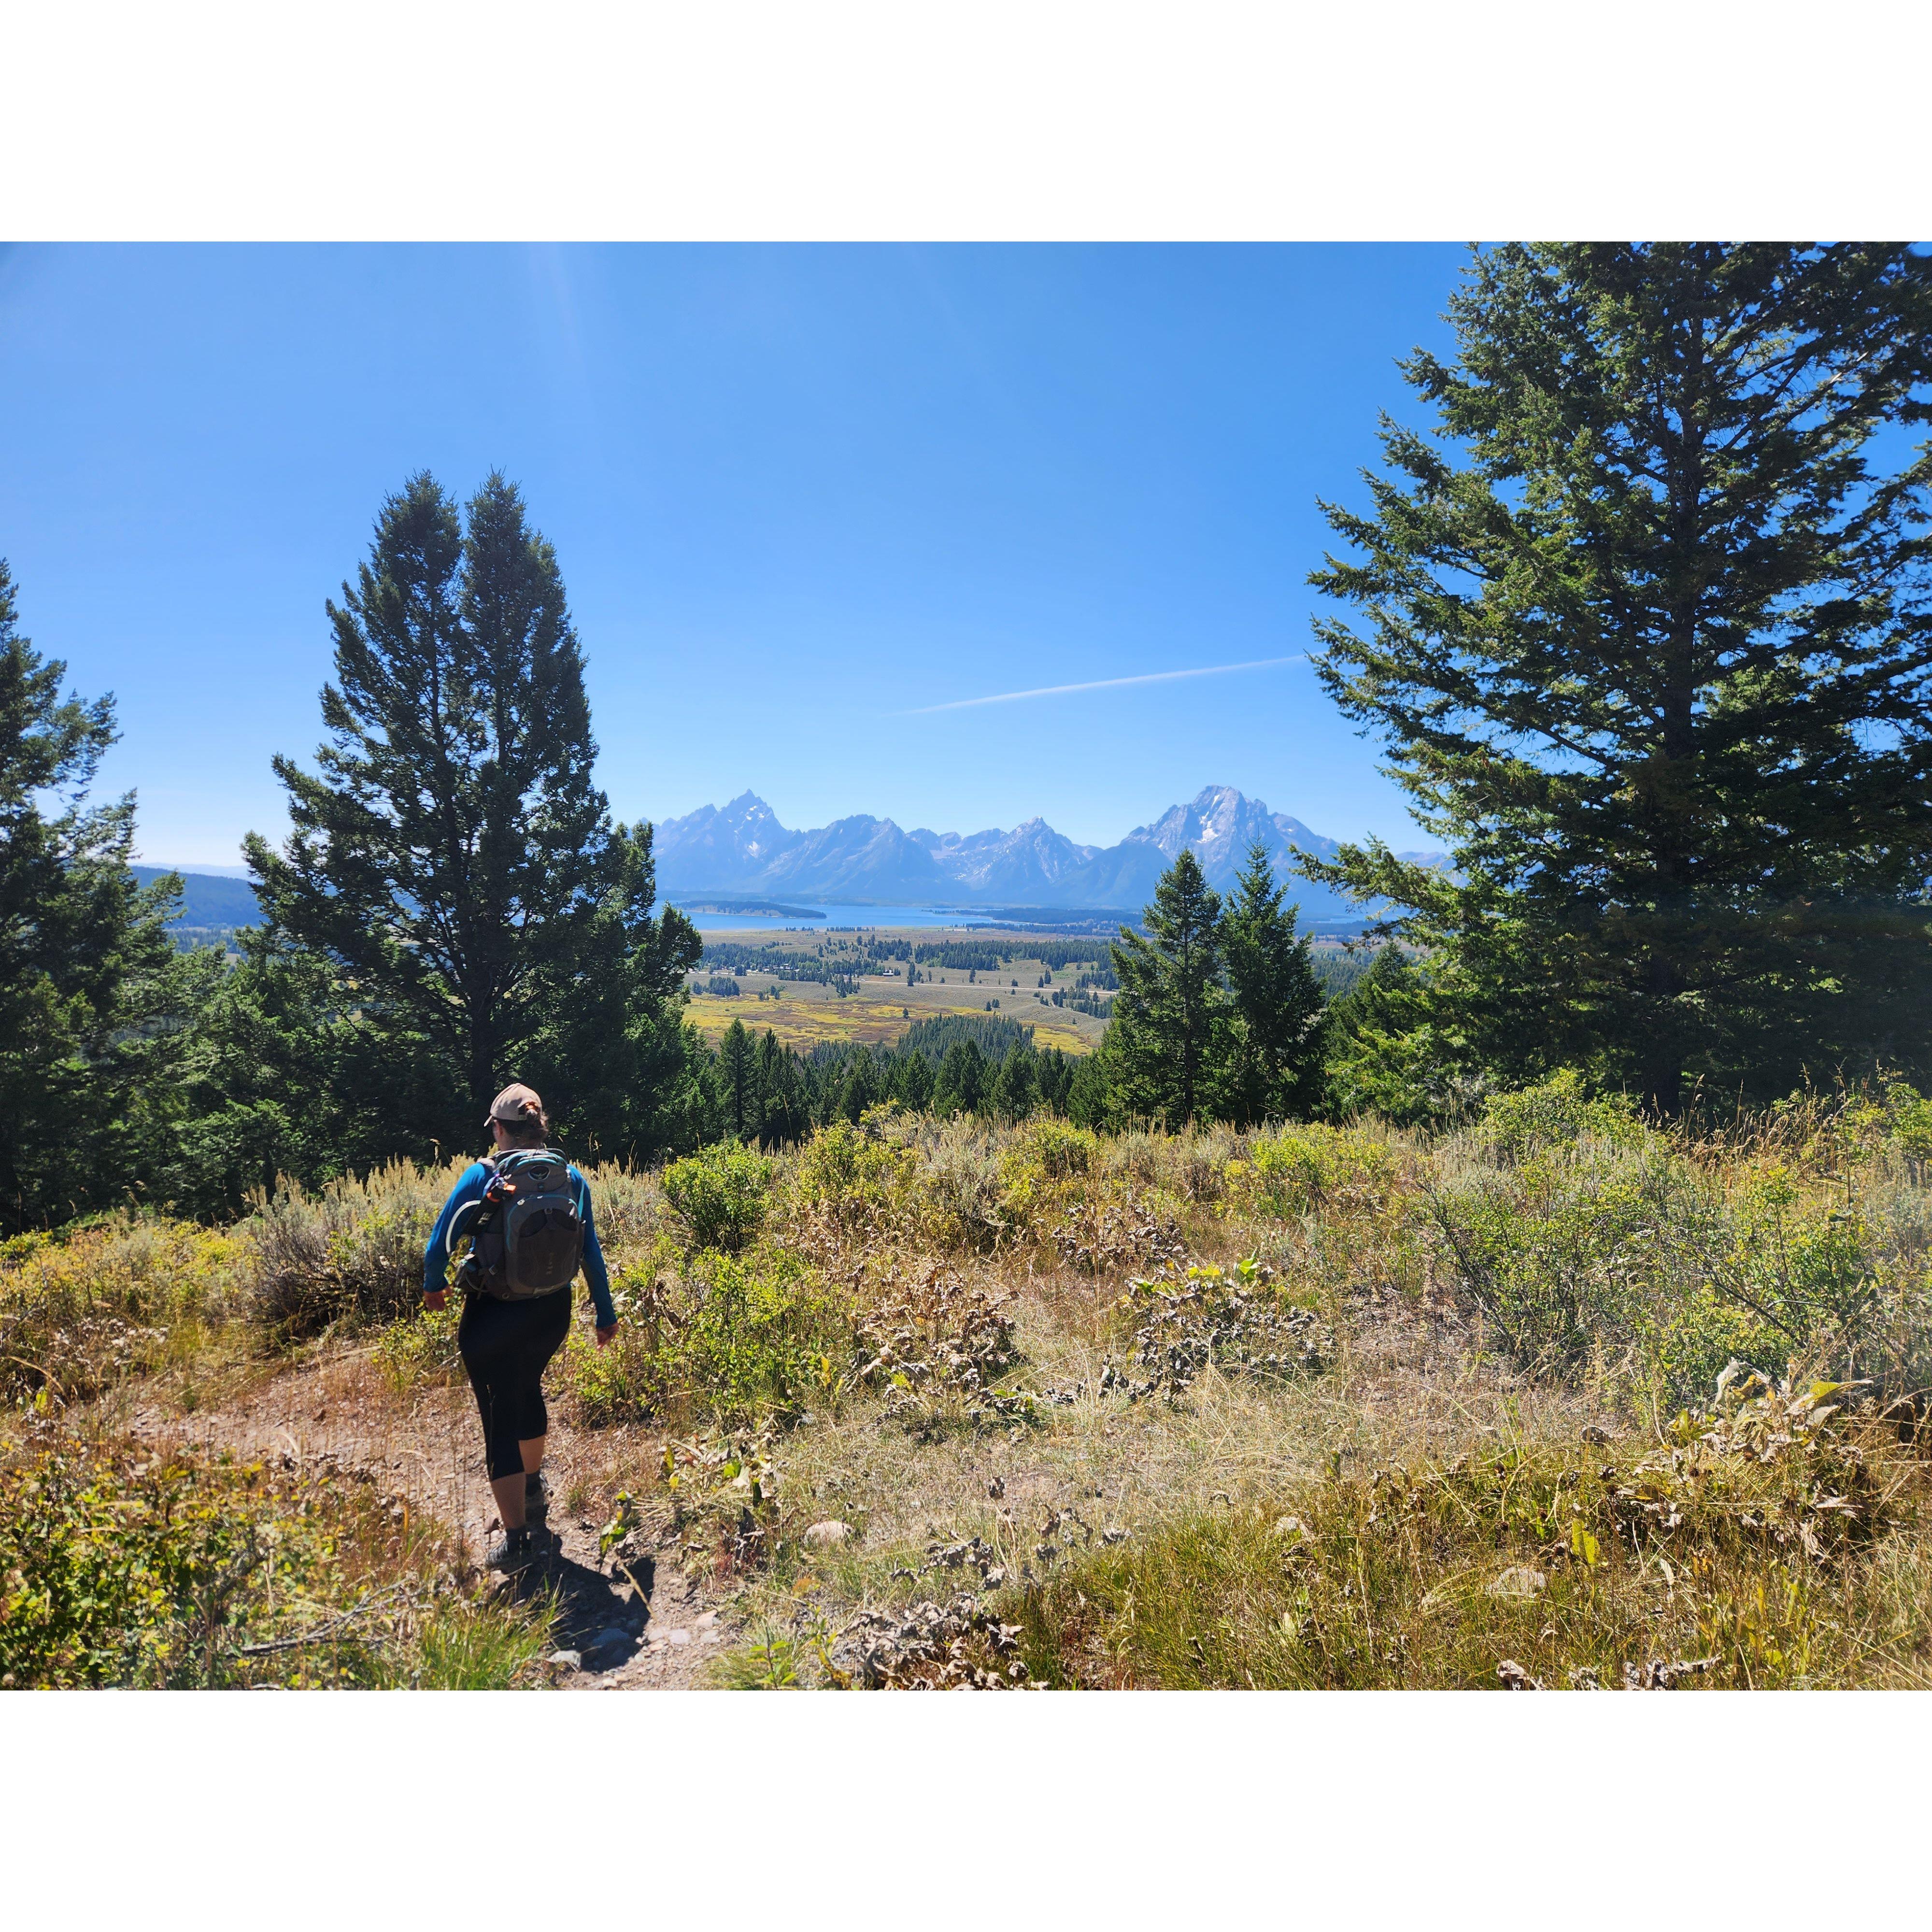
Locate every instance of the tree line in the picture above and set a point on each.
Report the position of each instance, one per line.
(1642, 626)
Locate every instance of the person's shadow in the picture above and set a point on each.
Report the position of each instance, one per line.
(603, 1618)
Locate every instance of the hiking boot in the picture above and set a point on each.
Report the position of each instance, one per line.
(536, 1498)
(514, 1553)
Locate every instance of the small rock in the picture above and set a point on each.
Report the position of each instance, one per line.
(705, 1622)
(1288, 1525)
(1514, 1677)
(1519, 1580)
(566, 1660)
(828, 1535)
(677, 1636)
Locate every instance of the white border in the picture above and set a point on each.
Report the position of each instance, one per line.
(1001, 119)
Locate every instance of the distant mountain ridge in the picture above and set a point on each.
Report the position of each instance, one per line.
(741, 848)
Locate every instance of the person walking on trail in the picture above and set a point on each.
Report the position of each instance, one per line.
(526, 1212)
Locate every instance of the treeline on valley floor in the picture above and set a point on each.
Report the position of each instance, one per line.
(1637, 619)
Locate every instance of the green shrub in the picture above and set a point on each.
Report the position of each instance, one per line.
(351, 1253)
(762, 1337)
(1909, 1120)
(1516, 1126)
(854, 1180)
(120, 1567)
(741, 1339)
(83, 1309)
(409, 1353)
(719, 1193)
(1300, 1169)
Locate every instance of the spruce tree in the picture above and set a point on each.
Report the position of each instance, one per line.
(1648, 641)
(1168, 1031)
(450, 852)
(1277, 1037)
(93, 996)
(737, 1066)
(961, 1086)
(1016, 1088)
(861, 1087)
(912, 1081)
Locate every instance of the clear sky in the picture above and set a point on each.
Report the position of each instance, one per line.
(805, 501)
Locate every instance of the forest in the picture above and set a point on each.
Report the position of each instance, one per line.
(1331, 1317)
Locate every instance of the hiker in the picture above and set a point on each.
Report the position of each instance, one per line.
(527, 1212)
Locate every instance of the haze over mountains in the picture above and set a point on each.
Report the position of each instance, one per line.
(741, 850)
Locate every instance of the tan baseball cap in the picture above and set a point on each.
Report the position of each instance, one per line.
(515, 1104)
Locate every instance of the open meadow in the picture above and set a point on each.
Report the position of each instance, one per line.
(876, 1007)
(1553, 1400)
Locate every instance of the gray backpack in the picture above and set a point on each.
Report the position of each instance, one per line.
(530, 1240)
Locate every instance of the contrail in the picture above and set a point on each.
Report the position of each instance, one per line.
(1103, 684)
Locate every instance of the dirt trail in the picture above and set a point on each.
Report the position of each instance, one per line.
(634, 1629)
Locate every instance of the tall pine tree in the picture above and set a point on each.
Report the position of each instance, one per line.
(1647, 638)
(1167, 1036)
(450, 852)
(1276, 1036)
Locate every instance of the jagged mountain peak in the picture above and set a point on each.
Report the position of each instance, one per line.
(743, 847)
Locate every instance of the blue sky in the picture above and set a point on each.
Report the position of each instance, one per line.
(805, 501)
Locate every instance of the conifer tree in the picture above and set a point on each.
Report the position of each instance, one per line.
(91, 991)
(1648, 639)
(912, 1081)
(450, 852)
(783, 1114)
(738, 1070)
(961, 1086)
(1169, 1016)
(861, 1087)
(1056, 1078)
(1276, 1038)
(1016, 1087)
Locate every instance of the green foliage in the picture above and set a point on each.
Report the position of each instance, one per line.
(962, 1084)
(450, 855)
(124, 1568)
(1301, 1170)
(760, 1336)
(1389, 1054)
(1275, 1047)
(93, 994)
(1556, 1113)
(853, 1180)
(412, 1351)
(1171, 1010)
(1909, 1118)
(1642, 641)
(720, 1194)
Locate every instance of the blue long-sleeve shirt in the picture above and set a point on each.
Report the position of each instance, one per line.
(466, 1198)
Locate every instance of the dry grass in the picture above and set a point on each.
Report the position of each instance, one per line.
(1321, 1458)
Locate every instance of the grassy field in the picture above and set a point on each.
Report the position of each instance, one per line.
(1557, 1401)
(803, 1014)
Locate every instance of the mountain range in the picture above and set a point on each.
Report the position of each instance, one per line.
(741, 848)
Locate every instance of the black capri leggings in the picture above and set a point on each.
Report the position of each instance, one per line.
(506, 1346)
